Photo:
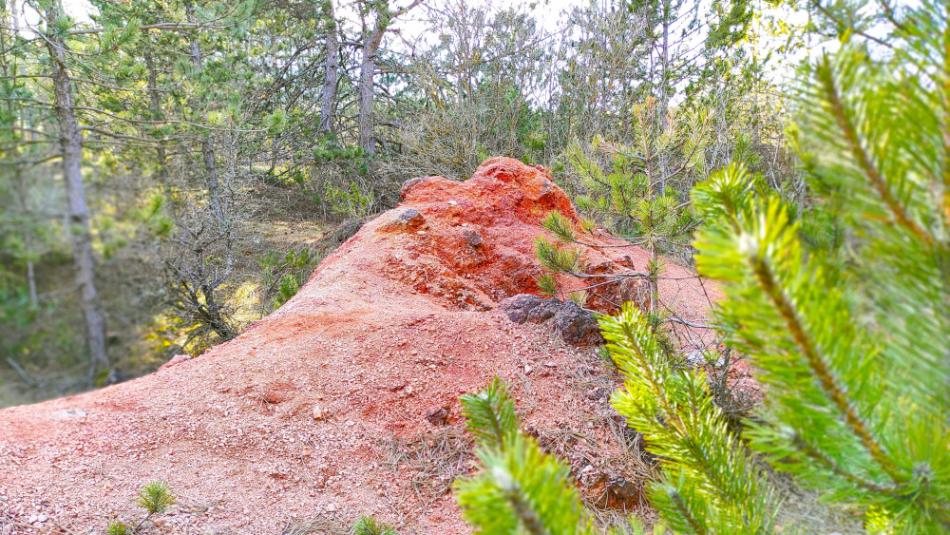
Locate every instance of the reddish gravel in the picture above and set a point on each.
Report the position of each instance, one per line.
(320, 412)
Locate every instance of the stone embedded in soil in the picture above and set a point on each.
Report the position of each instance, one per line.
(576, 325)
(439, 416)
(407, 220)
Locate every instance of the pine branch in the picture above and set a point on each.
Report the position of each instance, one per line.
(490, 415)
(841, 116)
(520, 489)
(828, 383)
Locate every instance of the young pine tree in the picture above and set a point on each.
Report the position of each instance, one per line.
(520, 489)
(851, 344)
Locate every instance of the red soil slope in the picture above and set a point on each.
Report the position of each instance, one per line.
(344, 401)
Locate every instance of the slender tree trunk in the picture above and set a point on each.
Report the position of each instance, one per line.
(31, 284)
(155, 110)
(328, 97)
(21, 188)
(218, 208)
(207, 150)
(79, 228)
(371, 42)
(665, 92)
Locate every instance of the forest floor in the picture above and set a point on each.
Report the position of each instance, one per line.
(131, 283)
(344, 402)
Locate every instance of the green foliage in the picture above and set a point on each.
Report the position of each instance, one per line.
(118, 527)
(633, 526)
(547, 284)
(490, 415)
(154, 215)
(846, 348)
(556, 258)
(710, 482)
(560, 225)
(348, 200)
(155, 497)
(282, 275)
(520, 489)
(619, 185)
(368, 525)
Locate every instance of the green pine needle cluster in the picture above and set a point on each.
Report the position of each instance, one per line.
(617, 191)
(560, 225)
(117, 527)
(710, 482)
(547, 284)
(519, 489)
(555, 257)
(368, 525)
(155, 497)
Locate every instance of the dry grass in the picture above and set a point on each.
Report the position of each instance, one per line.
(434, 461)
(316, 526)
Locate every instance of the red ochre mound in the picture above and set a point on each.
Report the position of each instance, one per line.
(345, 401)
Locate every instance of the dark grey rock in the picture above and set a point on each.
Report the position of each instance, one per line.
(527, 308)
(544, 311)
(410, 217)
(473, 238)
(576, 325)
(517, 307)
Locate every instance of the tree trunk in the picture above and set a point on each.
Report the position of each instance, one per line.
(665, 92)
(155, 111)
(328, 97)
(371, 42)
(70, 138)
(207, 151)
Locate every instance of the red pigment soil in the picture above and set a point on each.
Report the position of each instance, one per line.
(345, 401)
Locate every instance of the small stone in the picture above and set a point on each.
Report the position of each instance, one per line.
(408, 219)
(439, 416)
(473, 238)
(319, 413)
(577, 326)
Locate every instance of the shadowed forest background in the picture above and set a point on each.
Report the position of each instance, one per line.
(170, 171)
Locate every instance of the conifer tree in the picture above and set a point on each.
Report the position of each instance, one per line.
(851, 343)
